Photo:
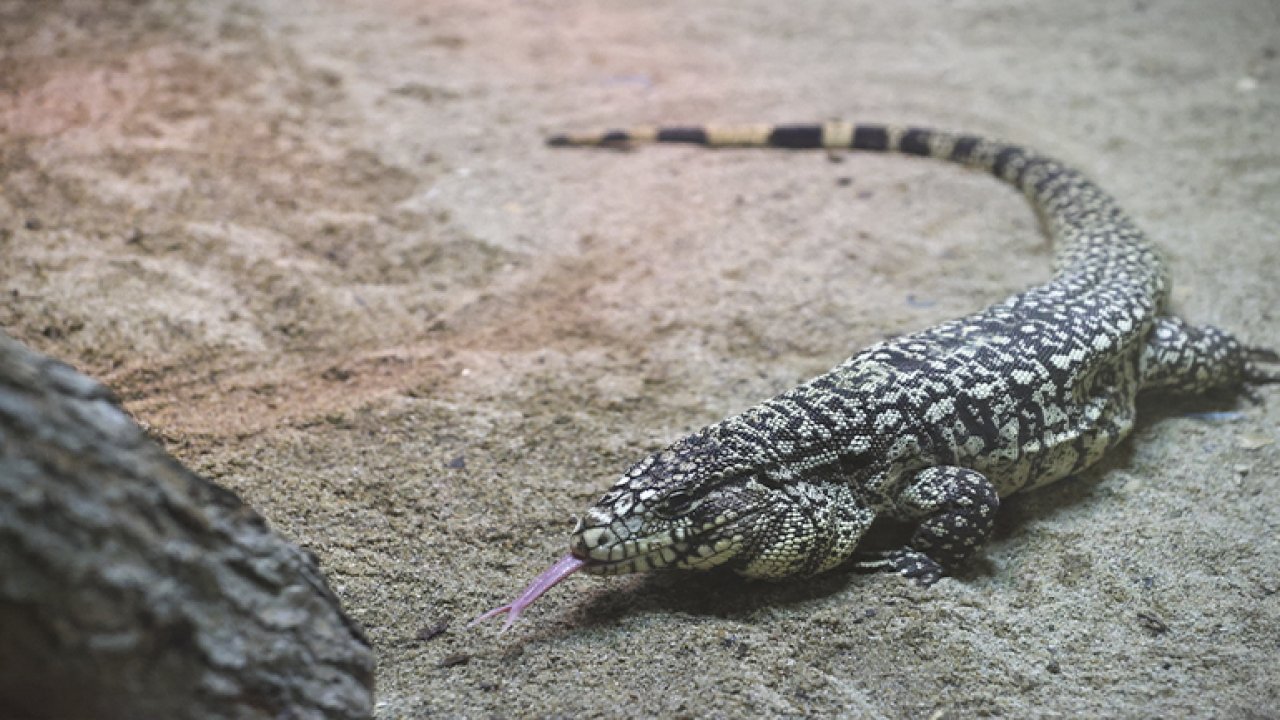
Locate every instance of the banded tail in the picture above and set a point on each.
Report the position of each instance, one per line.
(1008, 162)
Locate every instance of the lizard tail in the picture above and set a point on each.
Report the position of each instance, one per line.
(1008, 162)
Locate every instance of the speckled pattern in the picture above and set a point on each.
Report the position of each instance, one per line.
(932, 427)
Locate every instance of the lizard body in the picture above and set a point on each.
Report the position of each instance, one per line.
(933, 427)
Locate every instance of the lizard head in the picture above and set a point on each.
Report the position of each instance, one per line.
(696, 505)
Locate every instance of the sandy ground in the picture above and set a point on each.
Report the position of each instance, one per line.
(319, 250)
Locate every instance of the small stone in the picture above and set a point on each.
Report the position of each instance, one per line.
(337, 374)
(431, 632)
(455, 660)
(1153, 624)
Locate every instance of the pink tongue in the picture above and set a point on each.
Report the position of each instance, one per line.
(564, 567)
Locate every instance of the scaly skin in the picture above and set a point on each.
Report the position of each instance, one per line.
(932, 428)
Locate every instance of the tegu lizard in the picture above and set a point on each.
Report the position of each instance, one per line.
(932, 428)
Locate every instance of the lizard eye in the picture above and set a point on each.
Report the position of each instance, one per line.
(674, 504)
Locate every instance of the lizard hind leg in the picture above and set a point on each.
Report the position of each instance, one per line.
(1186, 360)
(956, 507)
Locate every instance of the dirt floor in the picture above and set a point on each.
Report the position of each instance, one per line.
(320, 251)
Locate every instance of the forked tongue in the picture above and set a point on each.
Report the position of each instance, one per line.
(564, 567)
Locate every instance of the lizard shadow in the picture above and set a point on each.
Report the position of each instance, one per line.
(720, 593)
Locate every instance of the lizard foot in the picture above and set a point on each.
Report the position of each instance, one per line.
(906, 561)
(1254, 375)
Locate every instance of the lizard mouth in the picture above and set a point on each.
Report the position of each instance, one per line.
(641, 562)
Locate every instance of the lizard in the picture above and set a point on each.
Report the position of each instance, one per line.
(931, 428)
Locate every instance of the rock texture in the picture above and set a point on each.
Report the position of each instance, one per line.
(130, 587)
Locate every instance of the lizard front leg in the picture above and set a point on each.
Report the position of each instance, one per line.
(956, 507)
